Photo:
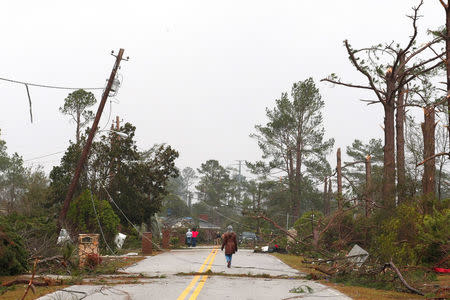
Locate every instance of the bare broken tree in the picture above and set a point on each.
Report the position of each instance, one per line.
(446, 6)
(387, 78)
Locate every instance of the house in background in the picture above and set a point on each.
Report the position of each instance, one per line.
(207, 227)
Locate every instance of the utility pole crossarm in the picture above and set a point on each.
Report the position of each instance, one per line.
(88, 144)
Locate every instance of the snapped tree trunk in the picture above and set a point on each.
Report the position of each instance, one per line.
(389, 156)
(258, 224)
(447, 61)
(292, 195)
(339, 178)
(400, 140)
(326, 199)
(298, 170)
(428, 179)
(330, 192)
(368, 191)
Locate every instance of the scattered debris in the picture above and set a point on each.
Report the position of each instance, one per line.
(63, 237)
(302, 289)
(358, 255)
(119, 240)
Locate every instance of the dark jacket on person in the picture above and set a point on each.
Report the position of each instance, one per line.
(229, 243)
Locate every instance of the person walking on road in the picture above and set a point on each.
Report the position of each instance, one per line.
(189, 237)
(229, 242)
(194, 237)
(217, 239)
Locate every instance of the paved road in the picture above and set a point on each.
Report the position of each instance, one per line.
(202, 287)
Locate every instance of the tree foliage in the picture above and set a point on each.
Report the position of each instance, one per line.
(13, 255)
(76, 106)
(293, 138)
(214, 183)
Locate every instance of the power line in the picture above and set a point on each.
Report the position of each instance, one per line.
(49, 86)
(27, 84)
(46, 155)
(100, 225)
(156, 245)
(143, 236)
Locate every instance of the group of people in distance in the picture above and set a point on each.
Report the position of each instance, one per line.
(191, 237)
(229, 242)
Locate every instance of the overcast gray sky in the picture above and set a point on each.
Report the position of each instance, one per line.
(201, 73)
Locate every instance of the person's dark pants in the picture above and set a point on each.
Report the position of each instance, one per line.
(188, 241)
(194, 241)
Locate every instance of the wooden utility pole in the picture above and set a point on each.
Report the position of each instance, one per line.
(88, 144)
(339, 178)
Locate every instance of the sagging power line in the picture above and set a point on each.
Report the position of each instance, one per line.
(28, 84)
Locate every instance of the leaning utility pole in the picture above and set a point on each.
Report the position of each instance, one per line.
(88, 144)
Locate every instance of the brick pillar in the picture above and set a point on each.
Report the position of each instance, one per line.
(165, 238)
(147, 246)
(87, 245)
(181, 239)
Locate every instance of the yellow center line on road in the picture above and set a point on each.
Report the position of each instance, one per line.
(203, 280)
(196, 278)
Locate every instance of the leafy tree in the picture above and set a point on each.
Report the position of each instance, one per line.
(214, 183)
(174, 206)
(188, 177)
(76, 105)
(36, 194)
(175, 186)
(293, 138)
(13, 180)
(61, 176)
(137, 181)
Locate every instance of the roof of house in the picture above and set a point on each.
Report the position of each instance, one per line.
(202, 224)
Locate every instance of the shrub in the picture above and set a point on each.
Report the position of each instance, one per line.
(13, 255)
(38, 234)
(412, 238)
(174, 242)
(92, 260)
(82, 216)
